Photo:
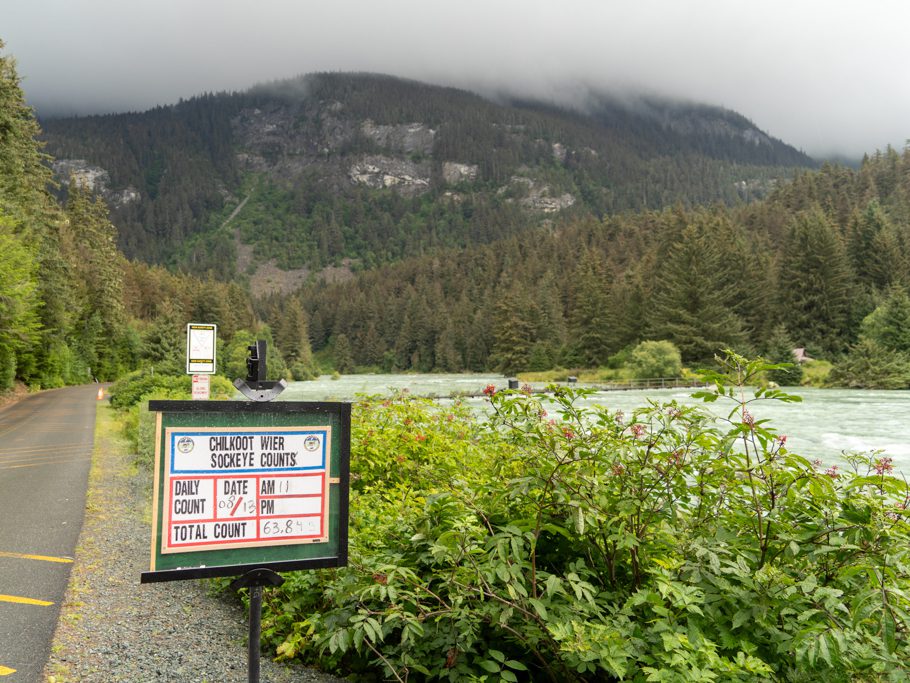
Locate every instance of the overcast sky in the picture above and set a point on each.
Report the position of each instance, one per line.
(828, 76)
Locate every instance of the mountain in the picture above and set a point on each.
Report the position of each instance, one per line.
(333, 172)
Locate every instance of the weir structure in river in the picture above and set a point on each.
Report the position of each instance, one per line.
(649, 383)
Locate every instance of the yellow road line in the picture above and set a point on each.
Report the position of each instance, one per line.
(36, 457)
(6, 671)
(42, 558)
(24, 601)
(42, 463)
(45, 449)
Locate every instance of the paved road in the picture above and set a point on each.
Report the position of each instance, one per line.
(45, 451)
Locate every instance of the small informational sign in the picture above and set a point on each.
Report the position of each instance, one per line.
(200, 348)
(248, 485)
(201, 388)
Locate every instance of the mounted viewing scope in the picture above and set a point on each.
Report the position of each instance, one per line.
(255, 387)
(255, 363)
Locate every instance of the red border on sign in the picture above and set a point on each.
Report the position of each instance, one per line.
(259, 539)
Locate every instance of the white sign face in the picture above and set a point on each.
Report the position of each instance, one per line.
(200, 348)
(227, 487)
(201, 387)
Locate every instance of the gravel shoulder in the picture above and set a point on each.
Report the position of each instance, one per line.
(112, 628)
(17, 393)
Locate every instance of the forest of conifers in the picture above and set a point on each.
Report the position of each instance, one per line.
(808, 264)
(673, 253)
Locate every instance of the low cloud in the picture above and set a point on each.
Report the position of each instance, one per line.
(827, 77)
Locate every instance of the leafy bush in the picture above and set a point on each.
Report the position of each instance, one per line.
(655, 359)
(136, 386)
(556, 541)
(131, 394)
(816, 372)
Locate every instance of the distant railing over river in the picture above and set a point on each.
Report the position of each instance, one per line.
(654, 383)
(648, 383)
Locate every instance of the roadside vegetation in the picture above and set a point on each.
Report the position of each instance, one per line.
(546, 541)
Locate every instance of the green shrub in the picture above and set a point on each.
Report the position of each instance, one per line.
(655, 359)
(302, 372)
(555, 541)
(137, 386)
(816, 372)
(131, 394)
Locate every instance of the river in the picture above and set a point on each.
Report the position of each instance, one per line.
(825, 424)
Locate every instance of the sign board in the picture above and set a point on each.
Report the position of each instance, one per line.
(200, 348)
(201, 387)
(241, 486)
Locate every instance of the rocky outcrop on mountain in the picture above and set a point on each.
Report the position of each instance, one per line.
(95, 179)
(406, 138)
(559, 152)
(285, 139)
(83, 174)
(407, 177)
(536, 196)
(546, 204)
(454, 173)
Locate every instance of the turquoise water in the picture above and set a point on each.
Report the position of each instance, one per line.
(824, 425)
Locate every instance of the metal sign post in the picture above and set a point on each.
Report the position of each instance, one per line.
(249, 489)
(255, 580)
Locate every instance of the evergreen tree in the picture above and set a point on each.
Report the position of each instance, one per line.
(869, 365)
(291, 335)
(96, 265)
(780, 350)
(344, 358)
(448, 359)
(31, 226)
(24, 175)
(513, 334)
(372, 348)
(815, 284)
(19, 302)
(874, 248)
(745, 265)
(208, 303)
(890, 262)
(164, 340)
(628, 296)
(592, 319)
(548, 322)
(691, 305)
(889, 324)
